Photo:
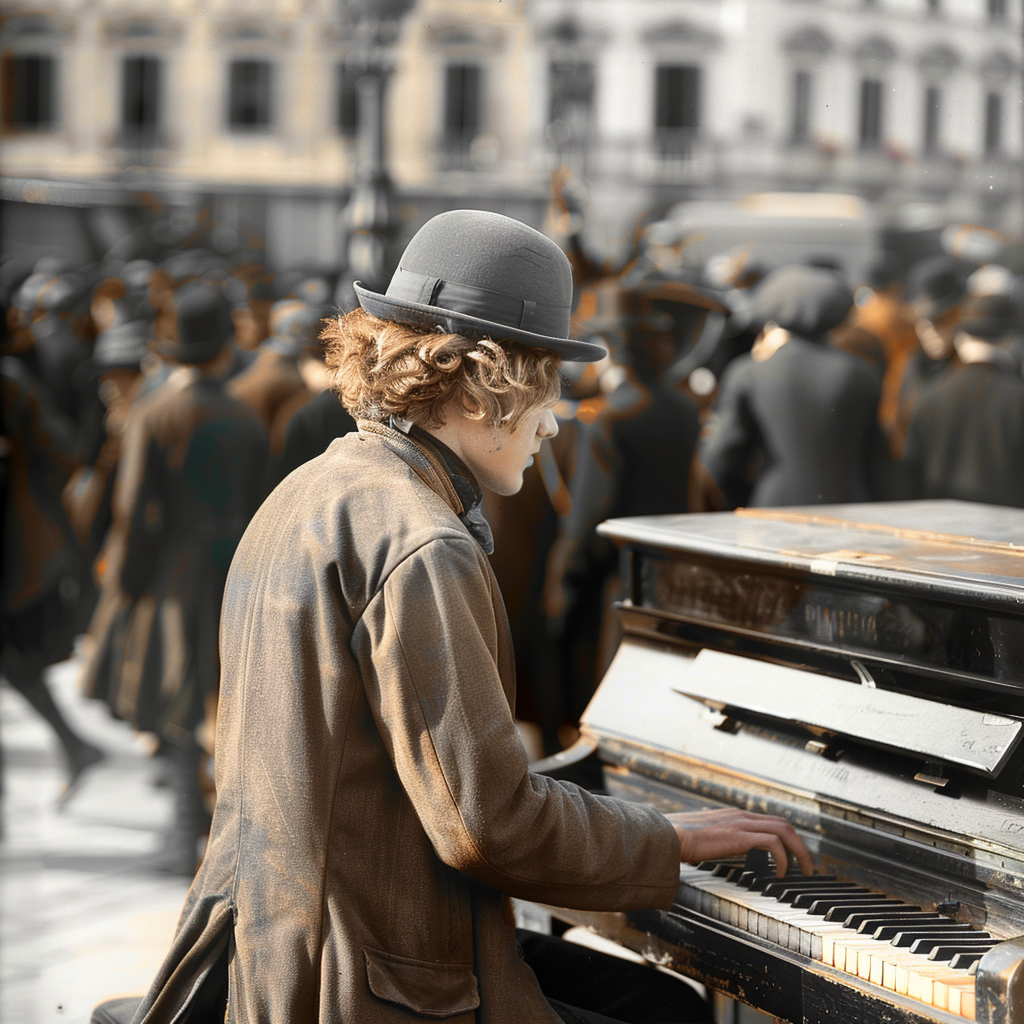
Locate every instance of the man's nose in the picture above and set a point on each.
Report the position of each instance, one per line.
(548, 424)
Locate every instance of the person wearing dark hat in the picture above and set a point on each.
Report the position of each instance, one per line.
(375, 808)
(189, 479)
(114, 371)
(251, 301)
(49, 320)
(116, 366)
(633, 457)
(273, 385)
(965, 438)
(935, 291)
(880, 314)
(796, 420)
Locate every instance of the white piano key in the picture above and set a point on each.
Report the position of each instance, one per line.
(853, 953)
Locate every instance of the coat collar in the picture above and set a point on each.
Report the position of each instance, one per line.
(441, 470)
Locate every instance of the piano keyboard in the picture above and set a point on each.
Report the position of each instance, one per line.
(919, 954)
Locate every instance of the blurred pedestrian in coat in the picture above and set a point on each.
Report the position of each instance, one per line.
(881, 313)
(117, 364)
(796, 421)
(634, 455)
(935, 290)
(273, 385)
(966, 434)
(45, 574)
(114, 370)
(190, 478)
(311, 429)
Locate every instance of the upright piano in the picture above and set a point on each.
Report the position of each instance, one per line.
(858, 670)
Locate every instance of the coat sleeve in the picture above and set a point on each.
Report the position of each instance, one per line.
(432, 680)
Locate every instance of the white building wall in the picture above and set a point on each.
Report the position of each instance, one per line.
(743, 47)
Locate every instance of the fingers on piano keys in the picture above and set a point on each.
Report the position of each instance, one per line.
(917, 953)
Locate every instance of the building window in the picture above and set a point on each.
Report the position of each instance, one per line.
(571, 85)
(870, 132)
(677, 107)
(801, 106)
(997, 10)
(993, 124)
(932, 112)
(463, 87)
(140, 96)
(249, 95)
(29, 93)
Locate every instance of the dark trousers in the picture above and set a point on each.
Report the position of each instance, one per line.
(588, 987)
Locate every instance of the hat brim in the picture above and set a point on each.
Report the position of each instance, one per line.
(421, 314)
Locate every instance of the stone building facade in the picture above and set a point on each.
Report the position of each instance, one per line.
(244, 112)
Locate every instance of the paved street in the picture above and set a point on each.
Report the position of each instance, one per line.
(82, 915)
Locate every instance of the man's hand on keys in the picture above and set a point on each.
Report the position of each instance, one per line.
(718, 835)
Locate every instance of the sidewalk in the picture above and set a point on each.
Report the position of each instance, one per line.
(82, 917)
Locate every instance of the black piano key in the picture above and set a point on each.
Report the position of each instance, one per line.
(888, 926)
(965, 961)
(915, 934)
(821, 905)
(781, 886)
(760, 881)
(926, 945)
(786, 891)
(858, 918)
(807, 898)
(758, 861)
(843, 914)
(724, 869)
(943, 953)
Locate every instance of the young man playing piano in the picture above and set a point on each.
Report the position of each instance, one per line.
(375, 809)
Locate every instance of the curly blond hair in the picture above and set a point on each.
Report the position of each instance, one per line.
(381, 368)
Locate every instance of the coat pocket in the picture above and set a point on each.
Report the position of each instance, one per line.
(427, 987)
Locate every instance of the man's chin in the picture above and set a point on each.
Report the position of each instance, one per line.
(505, 488)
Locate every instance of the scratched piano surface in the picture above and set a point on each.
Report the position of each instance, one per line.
(858, 669)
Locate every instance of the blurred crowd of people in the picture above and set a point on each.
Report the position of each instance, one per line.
(150, 406)
(735, 385)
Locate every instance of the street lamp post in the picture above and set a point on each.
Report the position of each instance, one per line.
(370, 220)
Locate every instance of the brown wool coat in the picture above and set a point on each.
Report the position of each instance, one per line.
(374, 801)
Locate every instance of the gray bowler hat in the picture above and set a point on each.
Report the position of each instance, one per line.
(481, 274)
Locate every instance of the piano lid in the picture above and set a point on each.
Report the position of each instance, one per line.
(973, 550)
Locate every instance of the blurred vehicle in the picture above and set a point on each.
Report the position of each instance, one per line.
(771, 229)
